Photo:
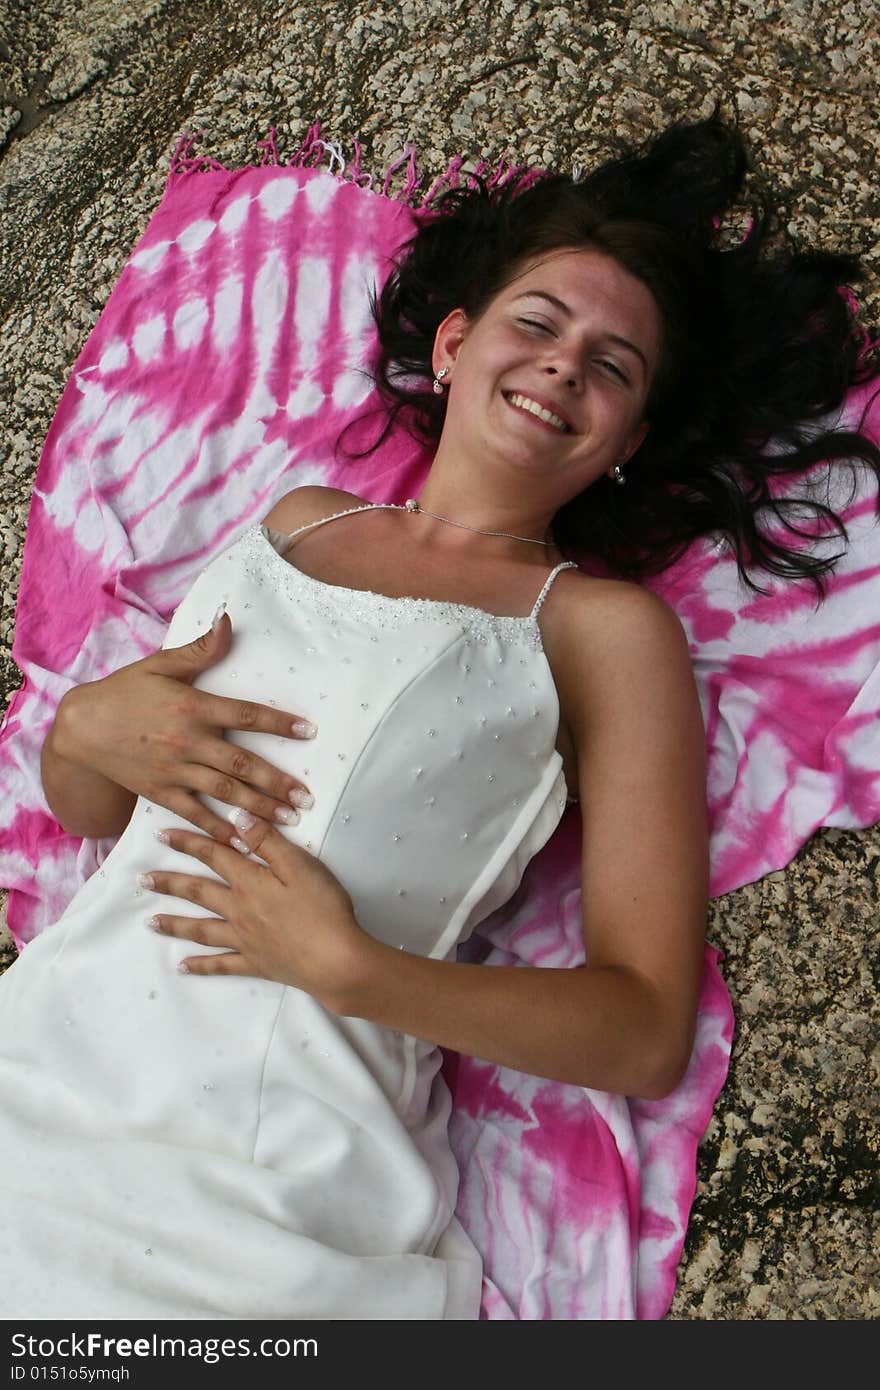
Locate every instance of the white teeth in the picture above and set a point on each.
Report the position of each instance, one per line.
(533, 408)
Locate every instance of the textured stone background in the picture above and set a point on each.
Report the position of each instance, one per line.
(93, 97)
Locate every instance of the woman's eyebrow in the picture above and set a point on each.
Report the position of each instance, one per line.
(563, 307)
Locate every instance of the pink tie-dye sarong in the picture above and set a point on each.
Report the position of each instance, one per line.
(218, 377)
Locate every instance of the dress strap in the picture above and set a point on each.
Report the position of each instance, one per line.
(564, 565)
(349, 511)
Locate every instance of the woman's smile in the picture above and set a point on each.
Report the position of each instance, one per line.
(539, 411)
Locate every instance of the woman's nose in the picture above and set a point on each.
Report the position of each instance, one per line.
(565, 361)
(567, 372)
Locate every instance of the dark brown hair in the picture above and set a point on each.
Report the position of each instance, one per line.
(759, 344)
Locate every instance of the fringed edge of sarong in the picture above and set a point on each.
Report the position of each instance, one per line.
(402, 180)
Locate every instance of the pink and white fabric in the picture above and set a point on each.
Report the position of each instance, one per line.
(227, 360)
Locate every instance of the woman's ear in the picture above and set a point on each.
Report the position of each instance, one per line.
(448, 339)
(635, 442)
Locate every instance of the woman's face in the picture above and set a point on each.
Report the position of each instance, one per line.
(552, 378)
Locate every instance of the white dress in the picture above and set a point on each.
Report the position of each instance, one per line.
(184, 1147)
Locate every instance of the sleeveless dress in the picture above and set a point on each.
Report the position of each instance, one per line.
(185, 1147)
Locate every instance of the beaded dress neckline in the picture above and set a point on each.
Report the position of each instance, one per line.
(470, 612)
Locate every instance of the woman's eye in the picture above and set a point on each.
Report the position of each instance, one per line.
(536, 323)
(613, 368)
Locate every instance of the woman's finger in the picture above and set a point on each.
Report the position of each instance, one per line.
(193, 888)
(238, 777)
(224, 712)
(206, 931)
(252, 837)
(188, 806)
(231, 862)
(259, 837)
(217, 963)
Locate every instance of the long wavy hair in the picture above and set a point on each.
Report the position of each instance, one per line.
(760, 345)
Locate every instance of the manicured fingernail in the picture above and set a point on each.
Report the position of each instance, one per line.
(183, 968)
(146, 881)
(243, 819)
(240, 846)
(215, 621)
(286, 816)
(301, 798)
(303, 729)
(153, 923)
(162, 837)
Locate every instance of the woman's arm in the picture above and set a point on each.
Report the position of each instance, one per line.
(624, 1022)
(83, 801)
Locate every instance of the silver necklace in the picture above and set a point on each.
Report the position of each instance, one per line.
(411, 505)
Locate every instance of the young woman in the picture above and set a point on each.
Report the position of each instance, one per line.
(269, 1139)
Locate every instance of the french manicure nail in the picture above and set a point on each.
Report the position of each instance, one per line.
(146, 881)
(243, 819)
(162, 837)
(286, 816)
(303, 729)
(301, 798)
(183, 968)
(240, 846)
(153, 923)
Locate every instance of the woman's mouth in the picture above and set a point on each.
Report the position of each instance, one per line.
(540, 413)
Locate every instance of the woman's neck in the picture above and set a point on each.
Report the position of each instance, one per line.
(472, 513)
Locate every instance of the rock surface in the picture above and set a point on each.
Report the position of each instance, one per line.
(93, 98)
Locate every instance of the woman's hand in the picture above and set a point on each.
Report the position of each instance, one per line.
(286, 919)
(145, 728)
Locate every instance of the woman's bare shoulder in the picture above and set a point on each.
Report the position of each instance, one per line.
(606, 632)
(306, 504)
(605, 609)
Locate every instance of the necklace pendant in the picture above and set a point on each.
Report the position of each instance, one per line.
(411, 505)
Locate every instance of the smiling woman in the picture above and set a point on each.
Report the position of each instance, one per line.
(243, 1105)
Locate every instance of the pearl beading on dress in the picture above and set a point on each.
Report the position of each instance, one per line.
(381, 609)
(385, 609)
(369, 617)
